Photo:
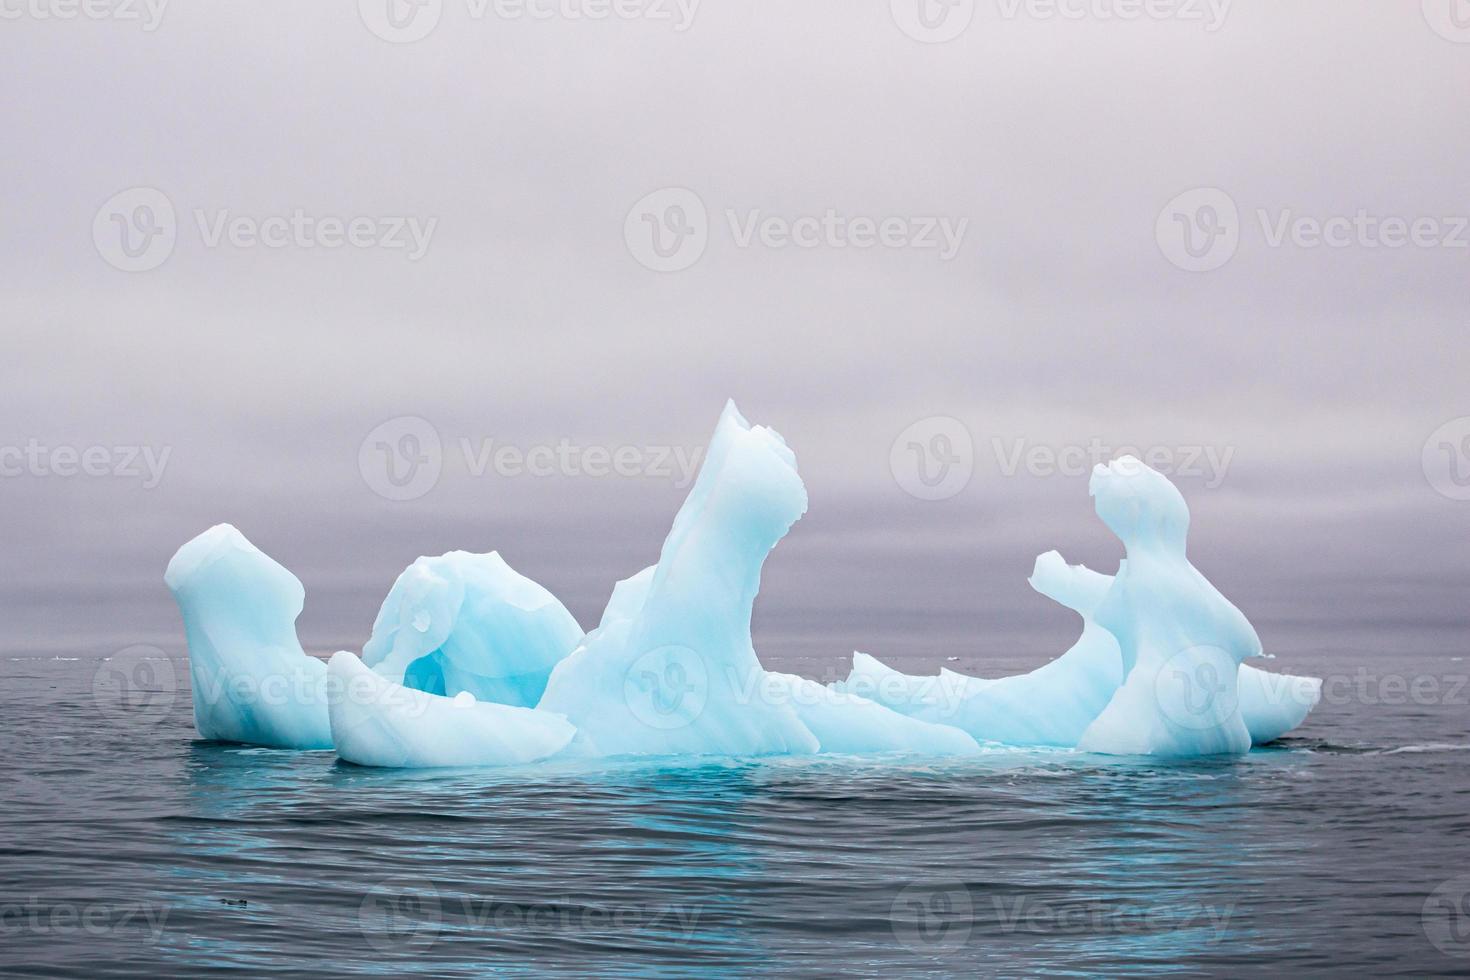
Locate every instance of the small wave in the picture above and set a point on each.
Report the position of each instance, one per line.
(1428, 747)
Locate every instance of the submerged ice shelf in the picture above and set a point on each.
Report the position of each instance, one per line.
(472, 664)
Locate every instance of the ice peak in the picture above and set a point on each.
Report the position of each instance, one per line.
(1140, 506)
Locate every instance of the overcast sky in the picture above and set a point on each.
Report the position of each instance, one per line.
(1058, 231)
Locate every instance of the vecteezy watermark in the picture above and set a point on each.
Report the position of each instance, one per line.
(38, 916)
(933, 916)
(298, 229)
(932, 21)
(933, 459)
(566, 458)
(1198, 689)
(397, 916)
(36, 459)
(148, 13)
(404, 457)
(669, 230)
(1078, 459)
(1450, 19)
(135, 686)
(938, 917)
(1362, 687)
(1211, 14)
(1446, 459)
(406, 21)
(937, 21)
(1445, 917)
(1201, 230)
(667, 687)
(1025, 914)
(137, 229)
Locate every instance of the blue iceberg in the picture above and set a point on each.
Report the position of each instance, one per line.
(472, 664)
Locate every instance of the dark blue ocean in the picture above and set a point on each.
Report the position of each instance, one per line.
(130, 848)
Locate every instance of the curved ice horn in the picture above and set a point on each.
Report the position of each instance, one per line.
(671, 669)
(1077, 587)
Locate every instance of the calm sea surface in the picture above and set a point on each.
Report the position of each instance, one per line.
(130, 848)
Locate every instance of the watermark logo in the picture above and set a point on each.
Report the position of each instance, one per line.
(566, 458)
(298, 229)
(135, 686)
(1446, 917)
(1199, 231)
(1024, 914)
(395, 916)
(668, 230)
(36, 459)
(1211, 463)
(1446, 459)
(147, 12)
(1210, 13)
(932, 21)
(667, 688)
(135, 230)
(44, 918)
(1450, 19)
(933, 917)
(933, 459)
(402, 458)
(1197, 689)
(400, 21)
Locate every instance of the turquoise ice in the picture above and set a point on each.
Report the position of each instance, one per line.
(472, 664)
(252, 681)
(670, 670)
(464, 622)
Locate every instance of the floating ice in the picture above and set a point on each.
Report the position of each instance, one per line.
(376, 722)
(671, 670)
(470, 663)
(853, 725)
(252, 681)
(1175, 685)
(464, 622)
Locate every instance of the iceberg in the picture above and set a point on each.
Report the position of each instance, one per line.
(463, 622)
(377, 722)
(670, 670)
(1181, 689)
(470, 663)
(252, 681)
